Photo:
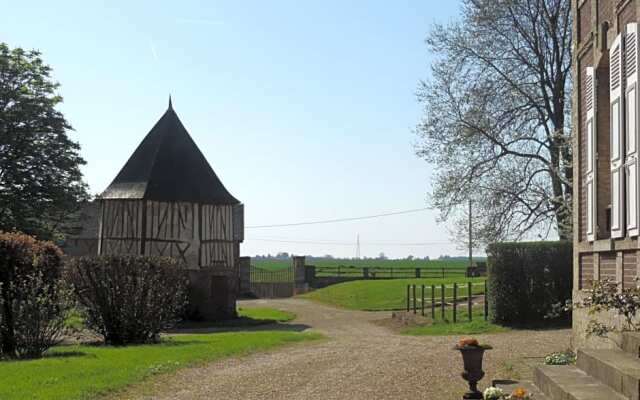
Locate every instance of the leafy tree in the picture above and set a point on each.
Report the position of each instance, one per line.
(40, 179)
(496, 122)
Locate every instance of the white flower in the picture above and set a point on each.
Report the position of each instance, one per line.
(493, 393)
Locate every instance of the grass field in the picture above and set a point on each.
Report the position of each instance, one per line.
(279, 264)
(84, 372)
(378, 295)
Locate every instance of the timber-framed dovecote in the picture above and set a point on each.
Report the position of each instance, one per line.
(168, 201)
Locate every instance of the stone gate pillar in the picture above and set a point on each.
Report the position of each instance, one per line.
(244, 267)
(298, 263)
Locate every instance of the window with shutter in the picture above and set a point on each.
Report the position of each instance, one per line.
(589, 178)
(631, 129)
(617, 138)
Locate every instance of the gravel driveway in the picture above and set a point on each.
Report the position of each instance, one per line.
(360, 360)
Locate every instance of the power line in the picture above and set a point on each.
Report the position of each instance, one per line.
(329, 221)
(337, 243)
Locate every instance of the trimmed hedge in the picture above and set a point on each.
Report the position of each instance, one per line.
(526, 279)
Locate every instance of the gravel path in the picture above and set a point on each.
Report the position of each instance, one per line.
(360, 360)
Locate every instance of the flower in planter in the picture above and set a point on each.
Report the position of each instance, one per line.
(520, 394)
(470, 343)
(493, 393)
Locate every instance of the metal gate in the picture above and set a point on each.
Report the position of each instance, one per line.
(272, 284)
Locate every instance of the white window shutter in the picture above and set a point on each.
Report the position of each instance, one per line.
(617, 138)
(589, 177)
(631, 126)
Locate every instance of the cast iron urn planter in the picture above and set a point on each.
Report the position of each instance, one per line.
(472, 354)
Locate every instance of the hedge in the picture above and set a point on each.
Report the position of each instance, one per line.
(129, 299)
(33, 297)
(526, 279)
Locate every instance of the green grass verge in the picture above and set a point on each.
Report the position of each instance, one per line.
(379, 295)
(266, 314)
(440, 328)
(84, 372)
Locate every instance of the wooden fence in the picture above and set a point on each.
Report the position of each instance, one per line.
(348, 271)
(272, 284)
(425, 299)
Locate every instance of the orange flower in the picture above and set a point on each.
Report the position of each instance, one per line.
(468, 342)
(519, 393)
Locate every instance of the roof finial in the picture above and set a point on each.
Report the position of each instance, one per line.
(170, 106)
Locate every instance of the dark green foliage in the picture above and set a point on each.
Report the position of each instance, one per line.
(526, 280)
(40, 179)
(129, 299)
(33, 298)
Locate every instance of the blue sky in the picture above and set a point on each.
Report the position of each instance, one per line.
(305, 110)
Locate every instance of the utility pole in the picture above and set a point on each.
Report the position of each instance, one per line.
(470, 238)
(358, 246)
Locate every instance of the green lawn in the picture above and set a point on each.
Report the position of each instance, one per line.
(378, 295)
(83, 372)
(266, 314)
(440, 327)
(279, 264)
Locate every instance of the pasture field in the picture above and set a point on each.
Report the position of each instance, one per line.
(280, 264)
(83, 372)
(386, 294)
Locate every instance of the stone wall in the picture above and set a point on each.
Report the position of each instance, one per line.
(84, 239)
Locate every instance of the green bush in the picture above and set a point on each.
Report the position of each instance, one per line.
(129, 299)
(527, 280)
(33, 298)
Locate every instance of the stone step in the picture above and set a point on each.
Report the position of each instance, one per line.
(615, 368)
(568, 382)
(631, 343)
(508, 386)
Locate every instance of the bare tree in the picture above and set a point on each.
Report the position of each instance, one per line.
(497, 114)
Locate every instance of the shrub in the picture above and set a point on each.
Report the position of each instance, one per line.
(526, 281)
(33, 297)
(608, 295)
(129, 299)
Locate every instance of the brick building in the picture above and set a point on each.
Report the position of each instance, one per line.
(606, 137)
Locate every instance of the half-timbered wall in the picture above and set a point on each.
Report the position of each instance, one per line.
(217, 245)
(201, 235)
(120, 227)
(172, 231)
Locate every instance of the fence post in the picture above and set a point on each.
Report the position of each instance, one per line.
(414, 298)
(442, 305)
(455, 302)
(442, 272)
(469, 301)
(422, 295)
(433, 301)
(417, 272)
(486, 302)
(391, 271)
(365, 272)
(408, 288)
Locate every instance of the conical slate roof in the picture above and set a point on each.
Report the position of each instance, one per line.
(168, 166)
